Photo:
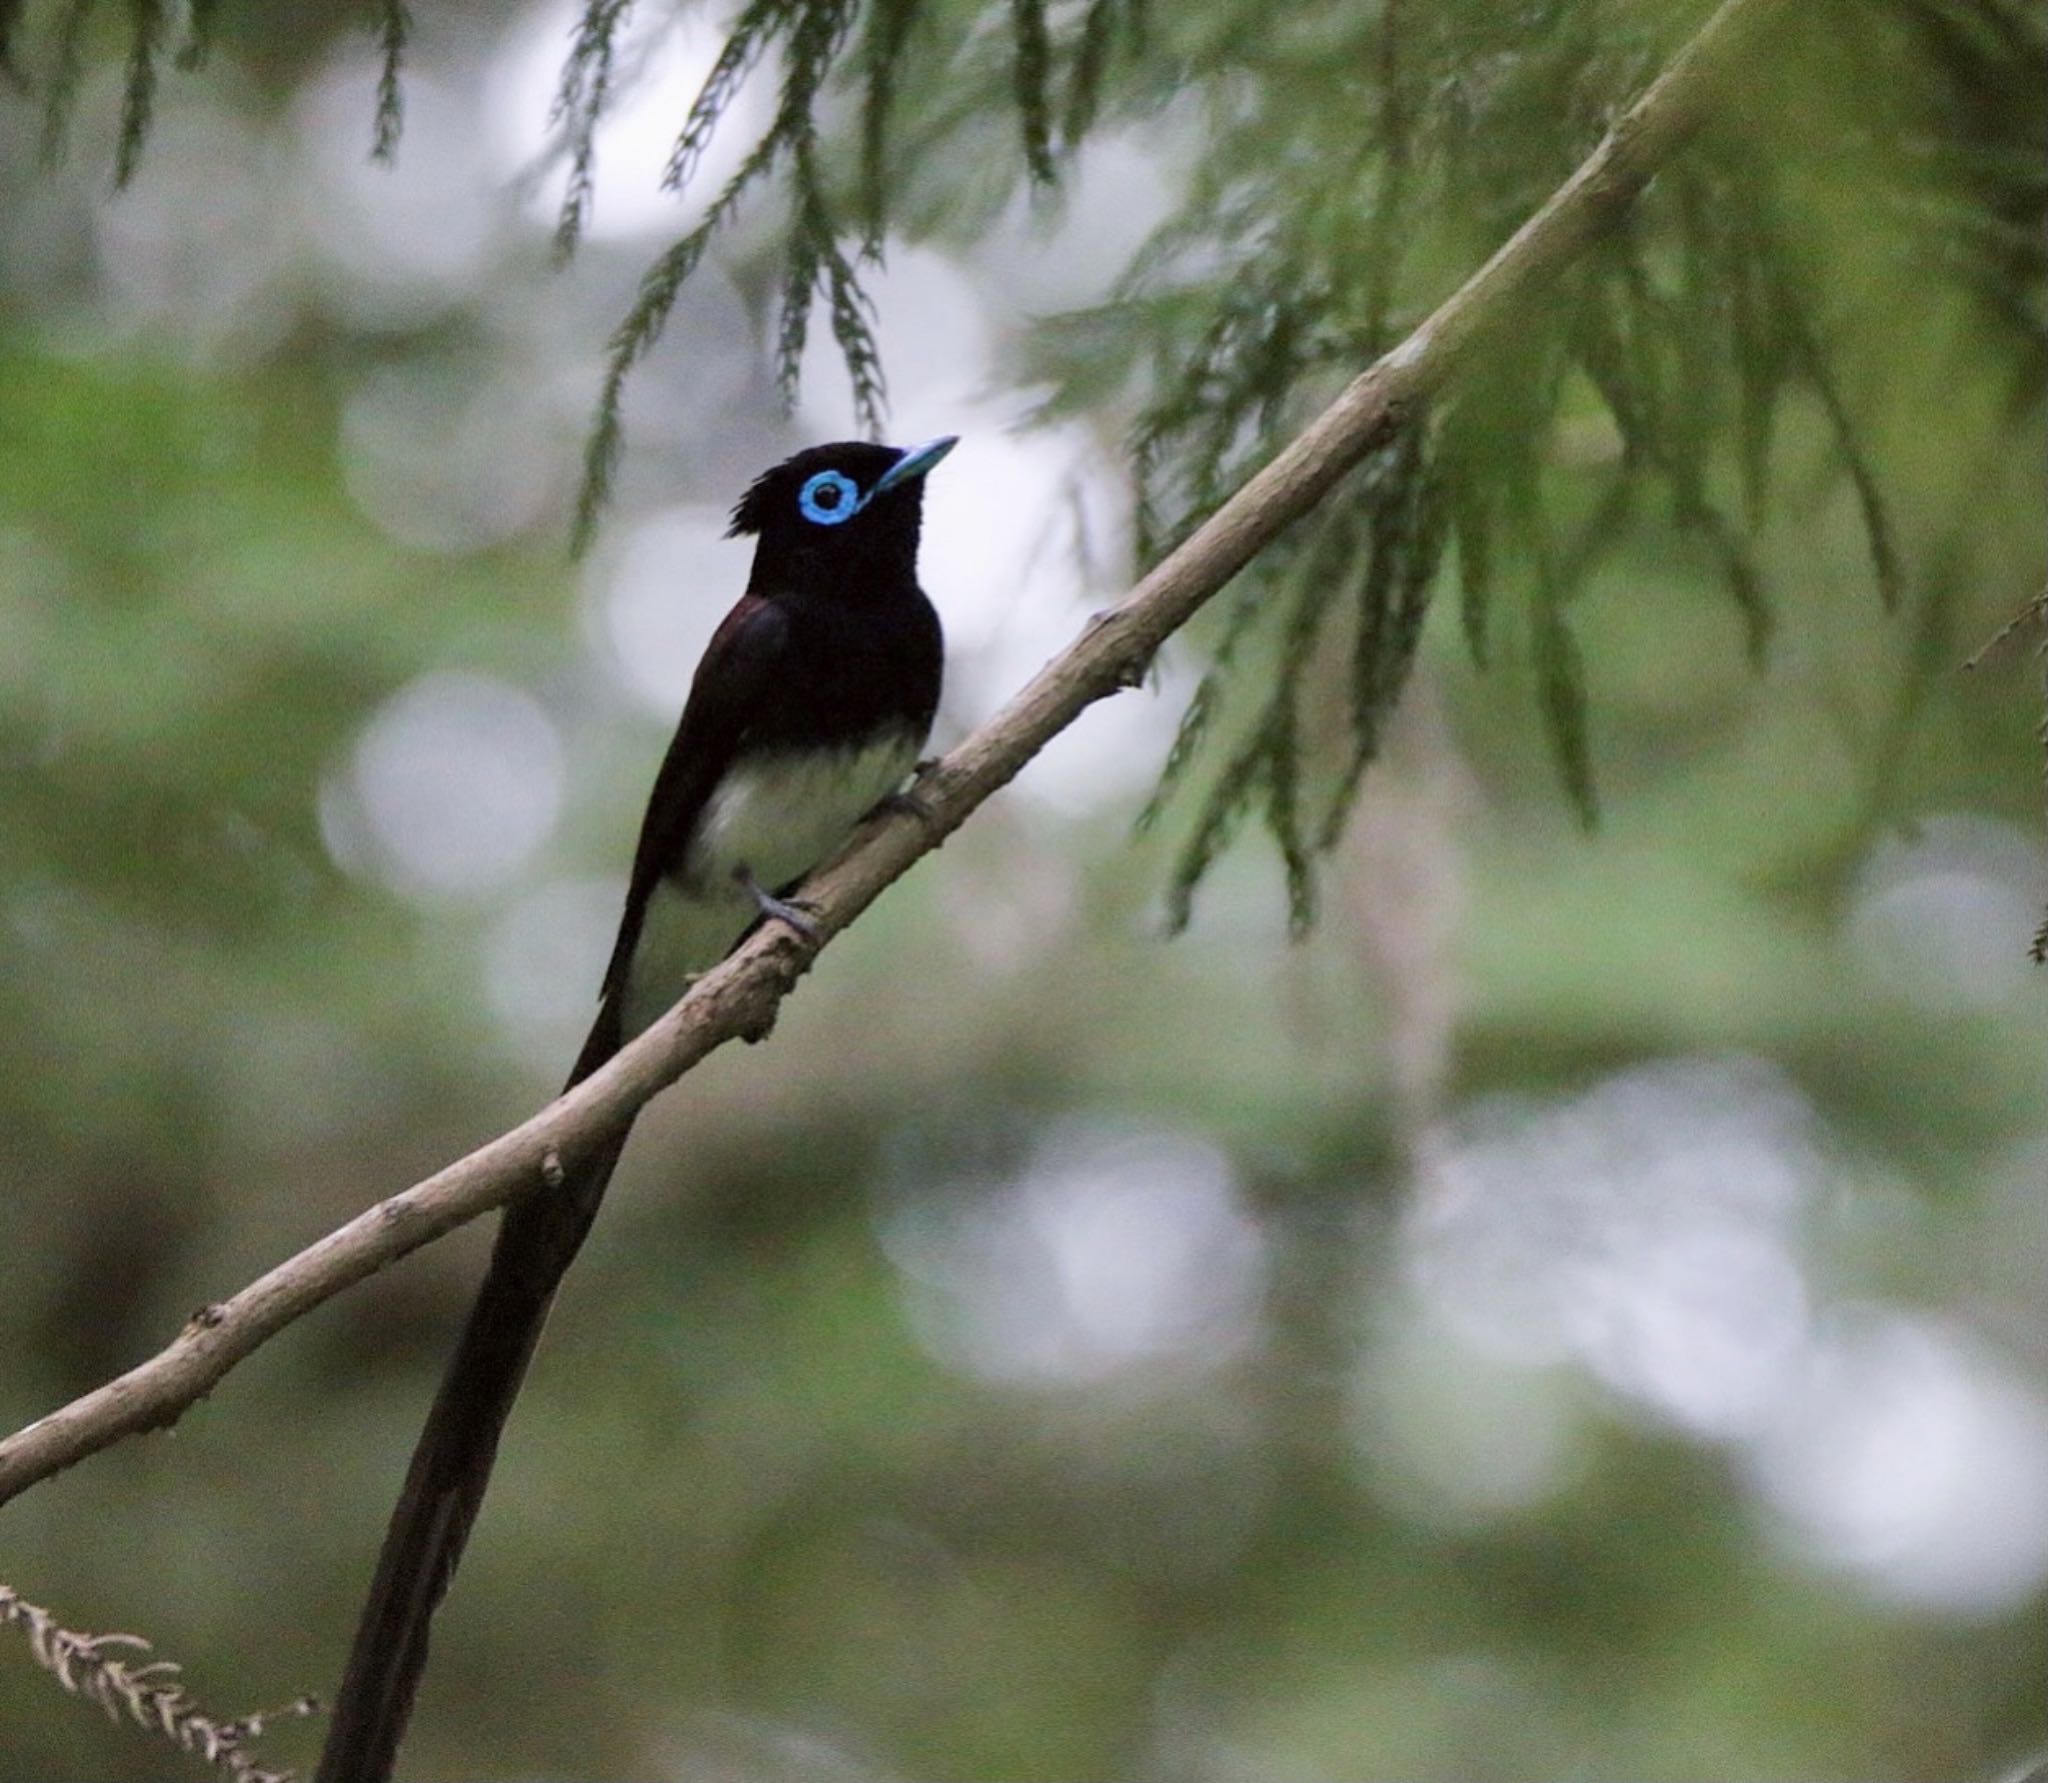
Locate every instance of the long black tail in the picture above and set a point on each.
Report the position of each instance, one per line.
(537, 1239)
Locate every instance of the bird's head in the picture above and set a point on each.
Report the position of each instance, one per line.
(839, 510)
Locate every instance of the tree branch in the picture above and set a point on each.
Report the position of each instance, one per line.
(739, 998)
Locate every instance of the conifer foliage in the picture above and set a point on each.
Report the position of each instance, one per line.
(1343, 165)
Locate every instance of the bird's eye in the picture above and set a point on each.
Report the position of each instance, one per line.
(829, 498)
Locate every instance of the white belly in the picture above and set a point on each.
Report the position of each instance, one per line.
(778, 818)
(782, 815)
(682, 933)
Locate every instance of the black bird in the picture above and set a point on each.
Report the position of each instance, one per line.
(810, 706)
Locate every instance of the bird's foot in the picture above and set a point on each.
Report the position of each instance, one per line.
(797, 915)
(908, 802)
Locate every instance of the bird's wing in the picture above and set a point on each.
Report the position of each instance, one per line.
(738, 664)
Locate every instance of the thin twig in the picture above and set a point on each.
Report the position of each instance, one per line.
(150, 1694)
(2032, 619)
(739, 999)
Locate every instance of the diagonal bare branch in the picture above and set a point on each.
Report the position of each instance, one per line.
(739, 999)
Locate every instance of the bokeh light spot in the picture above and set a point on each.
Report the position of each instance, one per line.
(452, 786)
(1111, 1249)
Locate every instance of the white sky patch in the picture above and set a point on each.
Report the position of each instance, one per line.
(1064, 252)
(1703, 1323)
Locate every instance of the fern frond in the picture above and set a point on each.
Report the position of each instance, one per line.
(1248, 604)
(394, 33)
(1870, 502)
(149, 25)
(1405, 550)
(852, 315)
(1471, 528)
(67, 68)
(1091, 63)
(747, 40)
(1033, 76)
(1222, 814)
(637, 333)
(882, 50)
(581, 95)
(202, 22)
(1561, 694)
(1283, 816)
(799, 282)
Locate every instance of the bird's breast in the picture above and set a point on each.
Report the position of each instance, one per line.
(777, 814)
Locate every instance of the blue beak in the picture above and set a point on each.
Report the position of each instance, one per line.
(914, 463)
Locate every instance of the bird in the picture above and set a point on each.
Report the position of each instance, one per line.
(809, 708)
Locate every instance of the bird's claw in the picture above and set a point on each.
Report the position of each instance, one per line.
(796, 914)
(906, 804)
(908, 801)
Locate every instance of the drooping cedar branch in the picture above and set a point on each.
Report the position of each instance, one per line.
(740, 998)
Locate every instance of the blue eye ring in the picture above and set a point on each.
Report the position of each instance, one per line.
(829, 498)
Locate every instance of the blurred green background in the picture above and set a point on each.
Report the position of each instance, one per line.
(1578, 1314)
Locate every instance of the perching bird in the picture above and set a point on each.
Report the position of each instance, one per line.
(810, 706)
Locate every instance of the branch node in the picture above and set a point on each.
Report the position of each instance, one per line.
(1097, 622)
(551, 1171)
(1127, 672)
(758, 1020)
